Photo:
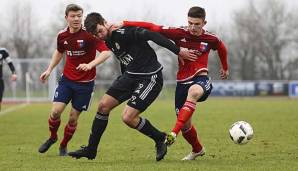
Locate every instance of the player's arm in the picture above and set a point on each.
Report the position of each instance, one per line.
(146, 25)
(8, 60)
(103, 56)
(223, 56)
(164, 42)
(56, 58)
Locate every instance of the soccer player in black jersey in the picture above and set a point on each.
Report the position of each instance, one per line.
(4, 55)
(140, 83)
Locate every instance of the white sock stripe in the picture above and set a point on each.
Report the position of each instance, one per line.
(141, 125)
(149, 87)
(102, 117)
(191, 105)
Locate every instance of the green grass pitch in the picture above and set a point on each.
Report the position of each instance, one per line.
(274, 146)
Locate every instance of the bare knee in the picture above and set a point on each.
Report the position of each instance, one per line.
(56, 113)
(104, 107)
(195, 92)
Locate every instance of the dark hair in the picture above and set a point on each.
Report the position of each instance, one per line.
(92, 20)
(197, 12)
(72, 7)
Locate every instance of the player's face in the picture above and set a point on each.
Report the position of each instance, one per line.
(195, 25)
(74, 19)
(101, 32)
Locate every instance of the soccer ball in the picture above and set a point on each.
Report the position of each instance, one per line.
(241, 132)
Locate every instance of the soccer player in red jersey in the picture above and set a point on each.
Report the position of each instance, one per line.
(75, 85)
(193, 83)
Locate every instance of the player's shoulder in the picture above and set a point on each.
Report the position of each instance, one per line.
(210, 34)
(2, 49)
(63, 31)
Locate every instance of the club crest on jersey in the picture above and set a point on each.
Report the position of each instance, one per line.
(80, 43)
(203, 46)
(117, 45)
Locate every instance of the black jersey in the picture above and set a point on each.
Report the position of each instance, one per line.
(4, 55)
(131, 48)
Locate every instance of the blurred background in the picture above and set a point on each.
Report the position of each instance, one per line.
(261, 37)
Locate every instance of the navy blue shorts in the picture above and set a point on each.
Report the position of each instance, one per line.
(182, 90)
(79, 93)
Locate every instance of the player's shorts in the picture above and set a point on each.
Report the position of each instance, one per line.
(1, 89)
(182, 89)
(139, 89)
(79, 93)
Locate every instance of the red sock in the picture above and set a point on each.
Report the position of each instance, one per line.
(184, 115)
(68, 133)
(192, 138)
(53, 127)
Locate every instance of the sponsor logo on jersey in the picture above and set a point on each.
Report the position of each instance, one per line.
(203, 46)
(80, 43)
(117, 45)
(183, 40)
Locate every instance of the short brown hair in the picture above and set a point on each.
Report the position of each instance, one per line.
(92, 20)
(72, 7)
(197, 12)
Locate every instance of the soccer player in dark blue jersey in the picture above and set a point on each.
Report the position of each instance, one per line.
(4, 55)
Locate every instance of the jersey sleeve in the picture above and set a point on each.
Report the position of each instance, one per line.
(172, 33)
(60, 46)
(169, 32)
(223, 55)
(101, 46)
(146, 25)
(8, 60)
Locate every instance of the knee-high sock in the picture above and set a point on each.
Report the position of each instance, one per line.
(146, 128)
(69, 130)
(184, 115)
(53, 127)
(99, 125)
(192, 138)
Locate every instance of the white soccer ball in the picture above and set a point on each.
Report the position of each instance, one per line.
(241, 132)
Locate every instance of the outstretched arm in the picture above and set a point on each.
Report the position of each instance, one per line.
(103, 56)
(222, 53)
(146, 25)
(56, 58)
(164, 42)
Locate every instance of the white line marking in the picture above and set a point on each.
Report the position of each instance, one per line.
(13, 108)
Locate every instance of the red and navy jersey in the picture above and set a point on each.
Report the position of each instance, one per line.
(80, 47)
(202, 44)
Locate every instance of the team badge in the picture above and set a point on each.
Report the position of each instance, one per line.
(117, 45)
(80, 43)
(203, 46)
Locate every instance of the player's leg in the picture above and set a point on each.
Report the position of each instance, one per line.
(194, 93)
(145, 92)
(69, 131)
(54, 123)
(61, 99)
(81, 98)
(190, 135)
(113, 97)
(131, 118)
(100, 122)
(1, 91)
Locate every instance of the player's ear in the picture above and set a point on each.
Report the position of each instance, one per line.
(205, 22)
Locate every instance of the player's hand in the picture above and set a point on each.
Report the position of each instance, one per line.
(84, 67)
(224, 74)
(13, 77)
(44, 76)
(187, 54)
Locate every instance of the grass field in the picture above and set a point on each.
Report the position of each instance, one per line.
(274, 146)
